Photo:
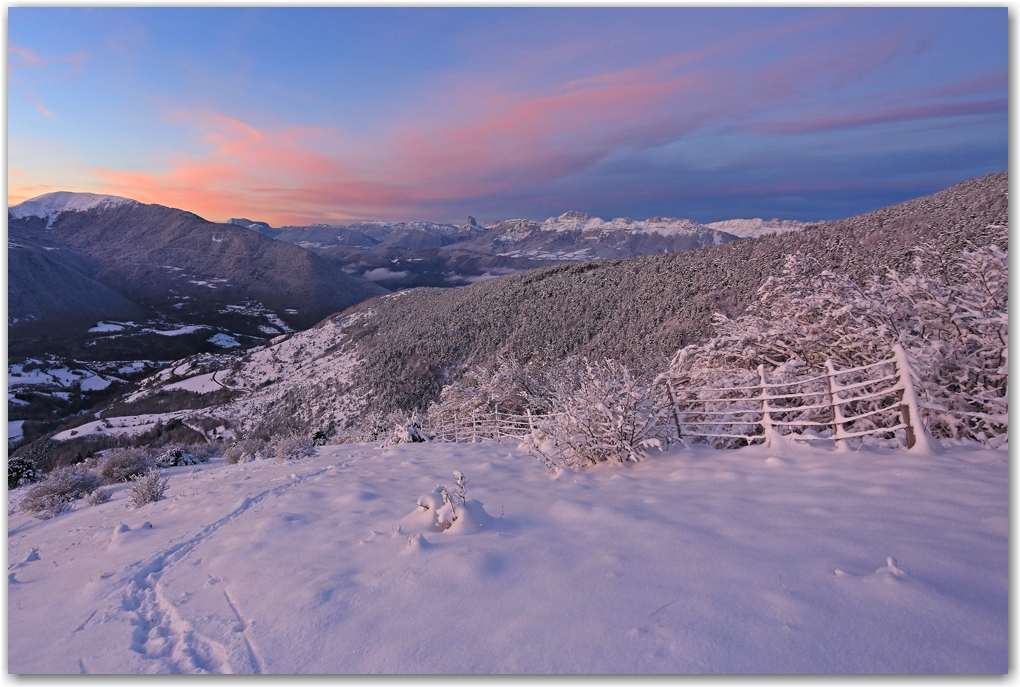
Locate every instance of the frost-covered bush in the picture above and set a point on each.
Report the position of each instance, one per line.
(611, 416)
(148, 488)
(124, 463)
(62, 486)
(99, 496)
(289, 447)
(508, 385)
(203, 453)
(369, 428)
(21, 470)
(175, 456)
(408, 430)
(245, 451)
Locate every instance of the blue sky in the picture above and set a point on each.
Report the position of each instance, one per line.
(332, 114)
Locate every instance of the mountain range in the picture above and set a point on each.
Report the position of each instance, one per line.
(101, 276)
(402, 255)
(76, 259)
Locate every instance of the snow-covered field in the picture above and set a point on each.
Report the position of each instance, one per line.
(125, 425)
(695, 561)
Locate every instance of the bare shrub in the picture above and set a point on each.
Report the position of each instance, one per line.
(148, 488)
(245, 451)
(203, 453)
(99, 496)
(124, 463)
(62, 486)
(289, 447)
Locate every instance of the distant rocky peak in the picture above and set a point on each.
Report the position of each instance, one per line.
(49, 205)
(574, 215)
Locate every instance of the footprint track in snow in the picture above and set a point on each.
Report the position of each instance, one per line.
(160, 633)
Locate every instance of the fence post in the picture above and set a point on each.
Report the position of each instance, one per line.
(456, 425)
(917, 437)
(766, 419)
(496, 418)
(837, 413)
(531, 425)
(474, 428)
(676, 412)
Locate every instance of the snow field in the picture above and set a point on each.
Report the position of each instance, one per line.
(201, 384)
(125, 425)
(693, 561)
(15, 430)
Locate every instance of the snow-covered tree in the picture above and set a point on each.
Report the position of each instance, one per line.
(610, 416)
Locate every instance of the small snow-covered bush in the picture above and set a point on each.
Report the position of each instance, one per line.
(610, 417)
(124, 463)
(245, 451)
(203, 453)
(62, 486)
(289, 447)
(408, 430)
(99, 496)
(445, 503)
(148, 488)
(21, 470)
(175, 456)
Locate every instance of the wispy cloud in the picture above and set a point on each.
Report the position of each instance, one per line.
(31, 97)
(19, 57)
(828, 121)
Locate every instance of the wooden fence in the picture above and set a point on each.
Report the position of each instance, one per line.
(874, 399)
(477, 425)
(839, 404)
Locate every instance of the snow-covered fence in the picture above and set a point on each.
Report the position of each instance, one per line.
(477, 425)
(842, 404)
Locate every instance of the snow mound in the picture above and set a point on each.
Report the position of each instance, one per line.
(50, 205)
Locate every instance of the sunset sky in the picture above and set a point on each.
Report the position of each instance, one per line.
(293, 116)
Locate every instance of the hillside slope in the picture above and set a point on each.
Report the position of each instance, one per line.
(46, 284)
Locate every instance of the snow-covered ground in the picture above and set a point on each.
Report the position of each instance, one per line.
(126, 425)
(749, 561)
(200, 384)
(15, 430)
(87, 379)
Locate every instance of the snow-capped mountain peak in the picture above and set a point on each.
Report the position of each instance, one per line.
(50, 205)
(752, 228)
(578, 221)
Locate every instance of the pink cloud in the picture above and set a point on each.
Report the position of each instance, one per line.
(31, 97)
